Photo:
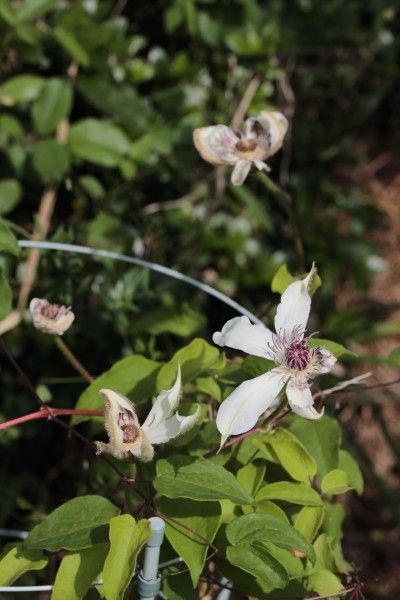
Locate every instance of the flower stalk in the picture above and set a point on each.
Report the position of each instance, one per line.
(72, 359)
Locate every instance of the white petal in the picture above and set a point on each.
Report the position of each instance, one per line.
(277, 125)
(240, 334)
(240, 411)
(216, 144)
(171, 428)
(328, 361)
(294, 307)
(261, 165)
(165, 404)
(240, 171)
(301, 402)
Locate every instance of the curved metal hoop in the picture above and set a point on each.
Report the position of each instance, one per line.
(145, 264)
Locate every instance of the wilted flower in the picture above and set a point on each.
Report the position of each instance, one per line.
(128, 438)
(297, 364)
(50, 318)
(222, 145)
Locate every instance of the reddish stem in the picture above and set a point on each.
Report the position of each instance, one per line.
(48, 413)
(242, 436)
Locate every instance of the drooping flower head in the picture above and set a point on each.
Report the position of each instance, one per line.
(128, 439)
(262, 137)
(296, 362)
(50, 318)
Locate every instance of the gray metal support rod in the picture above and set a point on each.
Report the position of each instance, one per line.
(149, 581)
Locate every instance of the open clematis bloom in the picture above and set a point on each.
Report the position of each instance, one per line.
(129, 439)
(297, 364)
(50, 318)
(262, 137)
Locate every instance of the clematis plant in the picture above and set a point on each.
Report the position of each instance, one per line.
(262, 137)
(53, 319)
(296, 363)
(129, 439)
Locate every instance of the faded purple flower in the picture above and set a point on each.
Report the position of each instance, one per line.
(50, 318)
(261, 138)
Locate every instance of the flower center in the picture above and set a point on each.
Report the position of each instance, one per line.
(298, 355)
(246, 145)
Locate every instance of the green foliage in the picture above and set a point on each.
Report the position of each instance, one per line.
(75, 525)
(8, 241)
(126, 540)
(77, 571)
(15, 561)
(190, 521)
(134, 374)
(198, 479)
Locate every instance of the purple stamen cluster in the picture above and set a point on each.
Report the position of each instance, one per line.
(298, 355)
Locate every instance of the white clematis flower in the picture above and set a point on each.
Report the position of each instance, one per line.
(163, 423)
(297, 364)
(262, 137)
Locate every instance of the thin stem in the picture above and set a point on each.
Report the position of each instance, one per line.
(47, 413)
(242, 436)
(287, 204)
(71, 358)
(189, 529)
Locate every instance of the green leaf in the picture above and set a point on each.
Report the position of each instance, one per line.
(293, 565)
(333, 347)
(22, 88)
(265, 528)
(209, 386)
(294, 493)
(256, 560)
(71, 45)
(99, 142)
(182, 321)
(198, 479)
(5, 297)
(322, 440)
(251, 477)
(201, 517)
(15, 561)
(75, 525)
(32, 9)
(77, 571)
(135, 375)
(50, 159)
(291, 454)
(8, 241)
(325, 582)
(309, 520)
(352, 470)
(283, 278)
(53, 105)
(266, 507)
(10, 195)
(335, 482)
(196, 358)
(120, 101)
(92, 186)
(324, 553)
(127, 538)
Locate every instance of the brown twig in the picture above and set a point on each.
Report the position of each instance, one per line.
(41, 229)
(71, 358)
(245, 101)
